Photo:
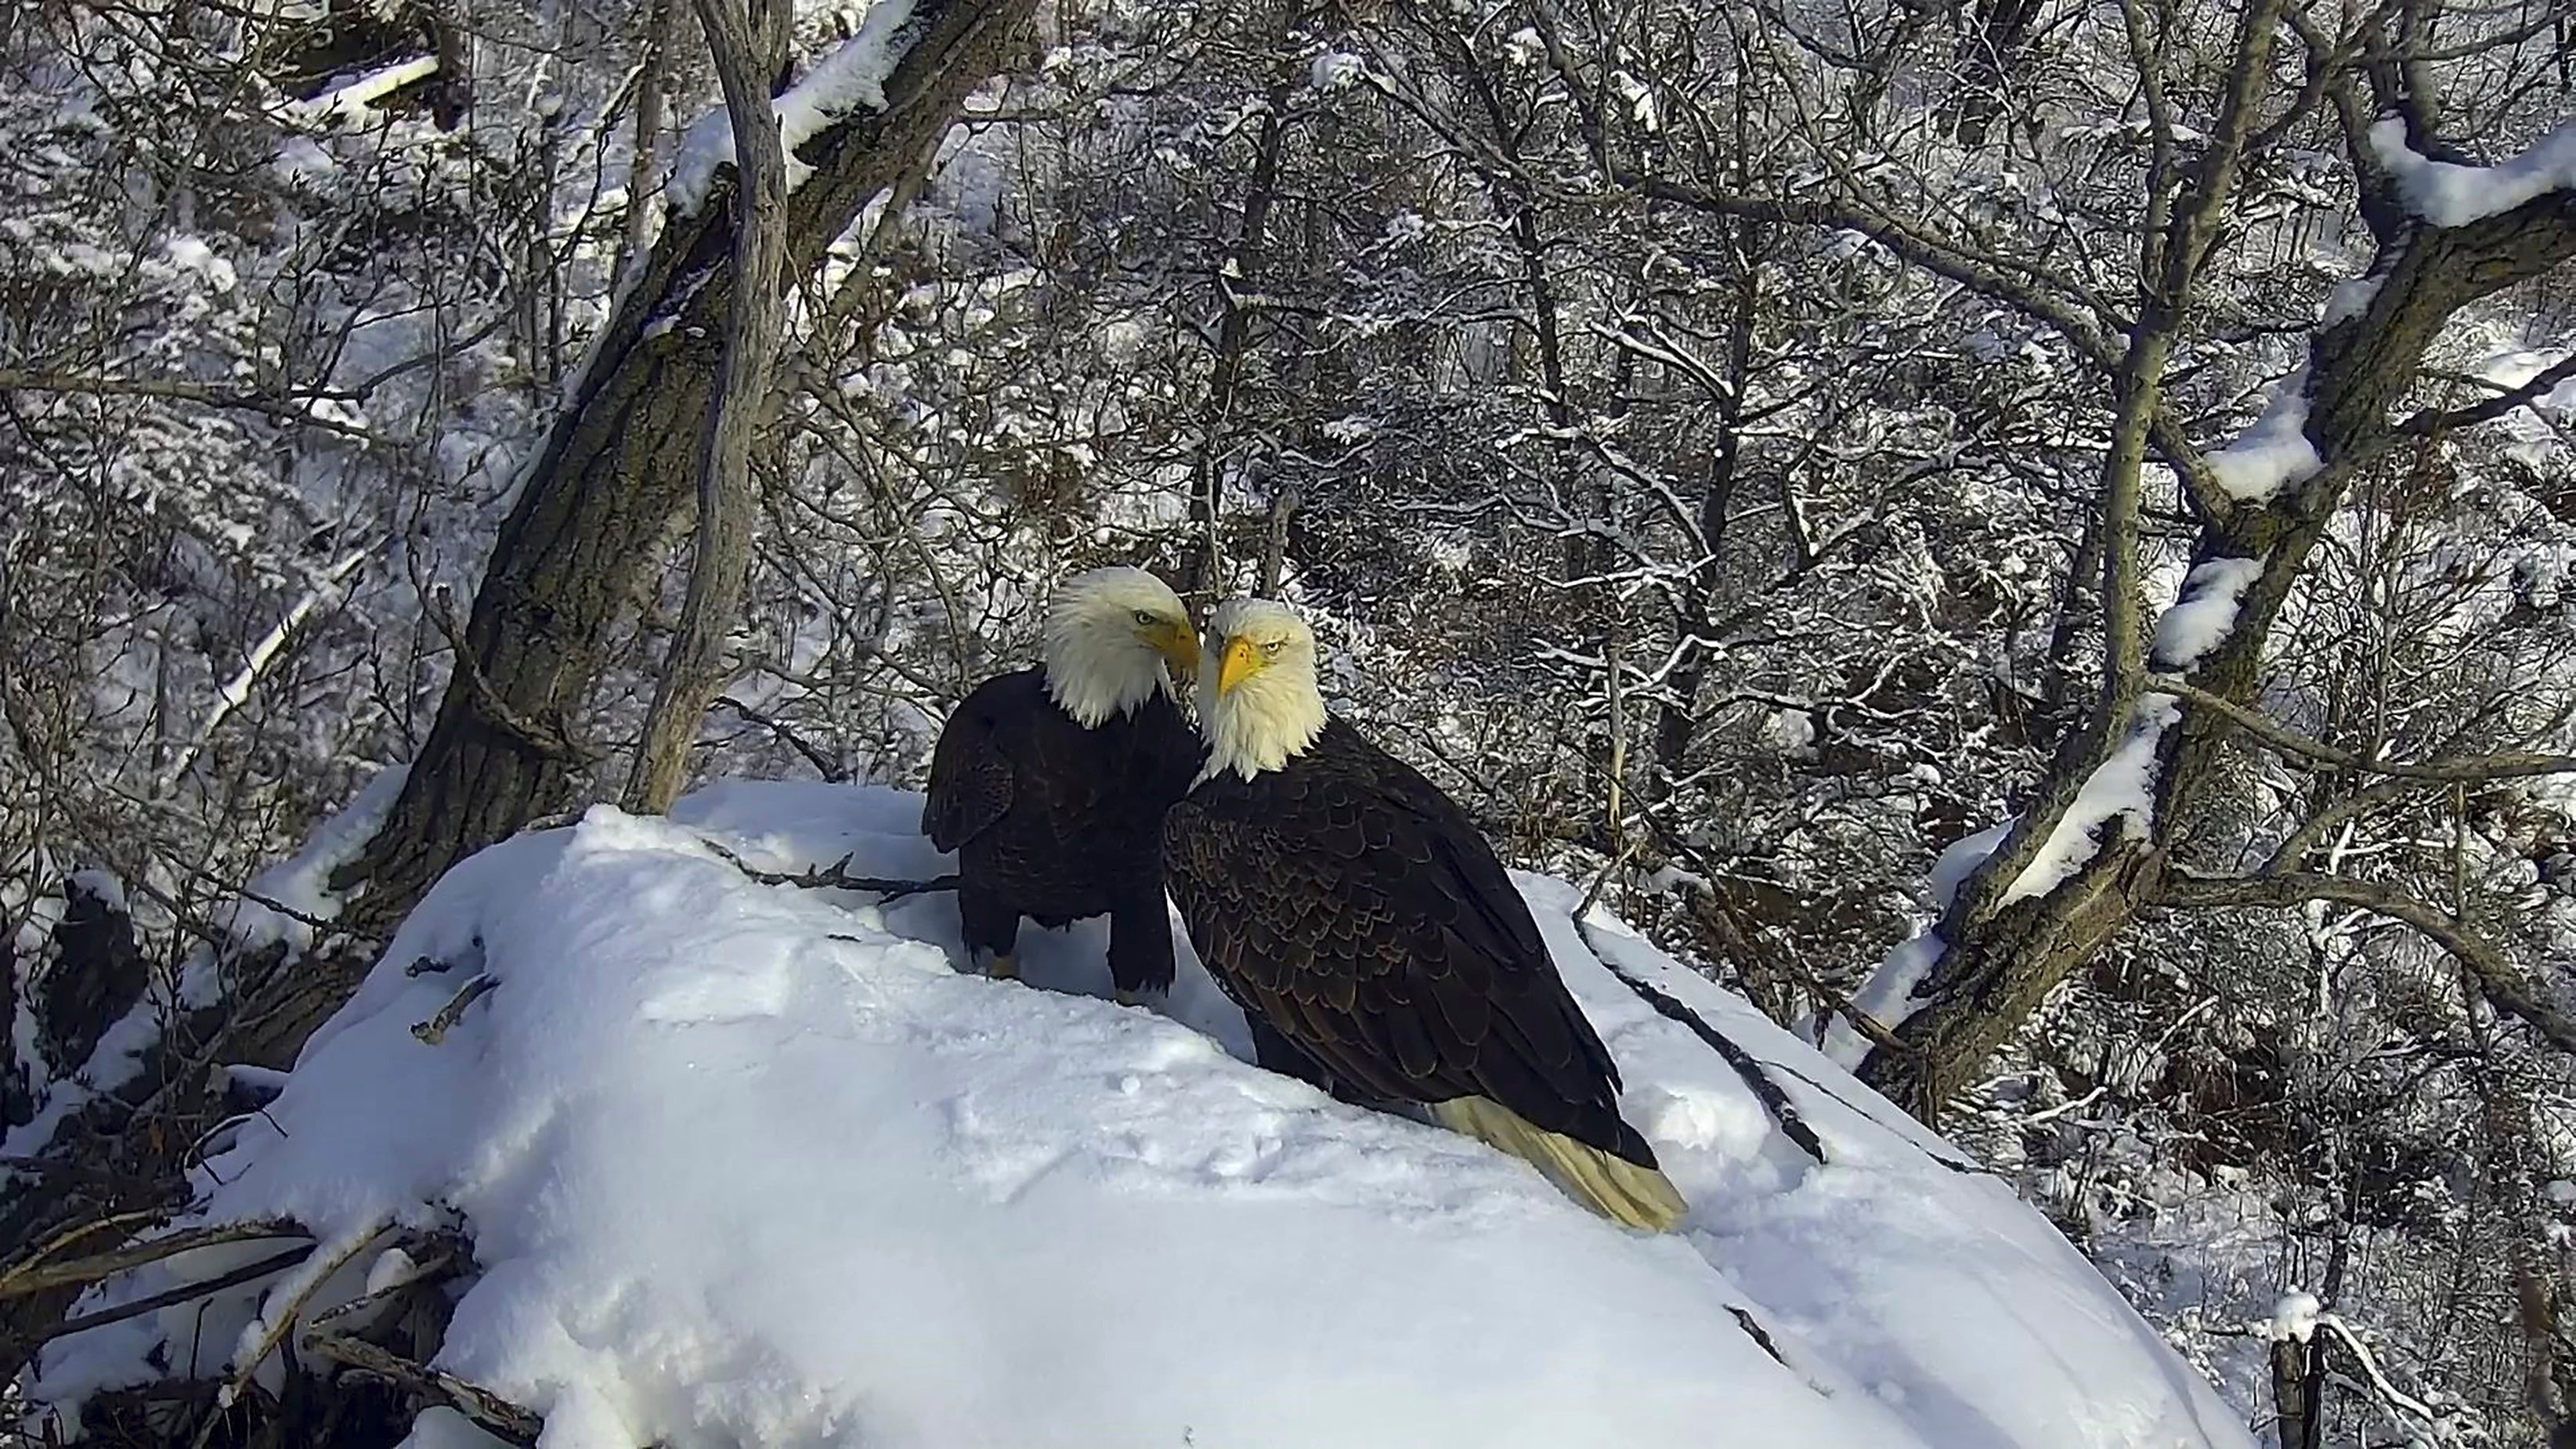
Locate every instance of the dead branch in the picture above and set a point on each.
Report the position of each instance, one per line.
(824, 765)
(835, 876)
(281, 1321)
(443, 1255)
(81, 1272)
(434, 1030)
(2497, 978)
(298, 410)
(91, 1227)
(2378, 1380)
(184, 1293)
(510, 1421)
(2431, 422)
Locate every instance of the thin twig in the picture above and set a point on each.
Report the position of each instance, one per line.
(551, 741)
(185, 1292)
(285, 409)
(824, 765)
(2499, 979)
(434, 1030)
(73, 1234)
(835, 876)
(2272, 732)
(2434, 421)
(1601, 878)
(423, 1270)
(1964, 1166)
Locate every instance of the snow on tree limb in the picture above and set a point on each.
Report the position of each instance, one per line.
(852, 76)
(2451, 195)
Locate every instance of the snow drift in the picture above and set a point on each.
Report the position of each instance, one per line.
(746, 1164)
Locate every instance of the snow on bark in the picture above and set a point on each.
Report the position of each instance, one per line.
(2448, 194)
(2203, 617)
(1887, 997)
(2274, 452)
(853, 75)
(2119, 794)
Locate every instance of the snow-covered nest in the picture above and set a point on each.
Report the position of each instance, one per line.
(748, 1164)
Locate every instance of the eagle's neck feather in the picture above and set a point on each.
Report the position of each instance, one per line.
(1265, 723)
(1094, 673)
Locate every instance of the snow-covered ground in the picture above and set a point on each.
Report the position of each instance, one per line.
(748, 1164)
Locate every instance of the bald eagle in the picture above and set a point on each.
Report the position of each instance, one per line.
(1362, 921)
(1050, 783)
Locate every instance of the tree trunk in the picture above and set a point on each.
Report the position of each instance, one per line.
(1204, 571)
(747, 40)
(1677, 719)
(618, 464)
(2298, 1391)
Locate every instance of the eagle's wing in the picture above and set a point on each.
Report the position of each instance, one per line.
(970, 776)
(1361, 913)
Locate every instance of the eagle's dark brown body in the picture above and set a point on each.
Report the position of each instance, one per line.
(1354, 910)
(1057, 823)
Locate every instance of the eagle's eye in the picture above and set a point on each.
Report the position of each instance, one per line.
(1144, 616)
(1274, 646)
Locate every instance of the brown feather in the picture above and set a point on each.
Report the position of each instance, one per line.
(1349, 904)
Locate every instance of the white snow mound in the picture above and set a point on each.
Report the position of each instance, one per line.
(754, 1165)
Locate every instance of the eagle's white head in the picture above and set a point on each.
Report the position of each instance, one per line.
(1109, 635)
(1261, 704)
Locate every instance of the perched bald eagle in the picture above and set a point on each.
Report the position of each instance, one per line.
(1359, 917)
(1051, 783)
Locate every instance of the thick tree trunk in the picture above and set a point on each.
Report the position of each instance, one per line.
(2000, 960)
(617, 467)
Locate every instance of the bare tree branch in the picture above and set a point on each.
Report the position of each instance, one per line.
(297, 410)
(2497, 977)
(2432, 422)
(494, 1413)
(83, 1271)
(2318, 753)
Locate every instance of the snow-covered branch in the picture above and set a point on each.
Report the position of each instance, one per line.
(326, 592)
(2448, 194)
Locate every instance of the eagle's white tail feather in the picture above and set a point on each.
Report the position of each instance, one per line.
(1608, 1184)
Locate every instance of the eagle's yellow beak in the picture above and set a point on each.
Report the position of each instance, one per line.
(1176, 642)
(1242, 661)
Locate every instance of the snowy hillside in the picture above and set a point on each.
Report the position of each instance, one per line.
(746, 1164)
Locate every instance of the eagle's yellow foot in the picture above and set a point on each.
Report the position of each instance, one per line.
(1130, 998)
(1004, 968)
